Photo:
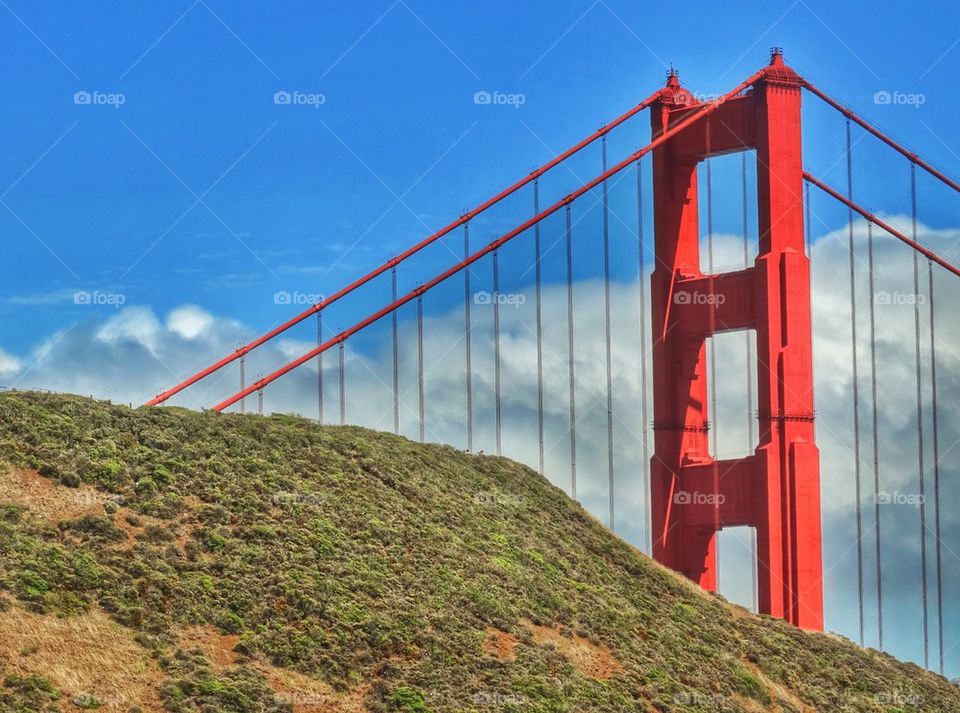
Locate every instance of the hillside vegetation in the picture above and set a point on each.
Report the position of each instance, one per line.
(169, 560)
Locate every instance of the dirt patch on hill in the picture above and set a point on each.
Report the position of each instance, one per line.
(47, 499)
(84, 656)
(305, 694)
(501, 645)
(588, 658)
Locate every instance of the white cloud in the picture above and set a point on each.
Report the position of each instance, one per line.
(189, 321)
(9, 364)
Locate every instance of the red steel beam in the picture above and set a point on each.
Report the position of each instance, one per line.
(160, 398)
(880, 135)
(882, 224)
(704, 110)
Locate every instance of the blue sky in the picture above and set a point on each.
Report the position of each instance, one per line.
(183, 182)
(106, 206)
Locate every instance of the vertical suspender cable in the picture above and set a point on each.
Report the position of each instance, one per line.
(536, 244)
(609, 351)
(876, 435)
(496, 347)
(570, 368)
(260, 398)
(343, 388)
(711, 305)
(320, 367)
(746, 334)
(641, 287)
(920, 465)
(396, 356)
(243, 379)
(420, 366)
(936, 467)
(468, 331)
(856, 385)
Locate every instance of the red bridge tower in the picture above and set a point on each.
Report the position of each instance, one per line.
(777, 488)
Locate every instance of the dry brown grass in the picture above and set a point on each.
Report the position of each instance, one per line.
(588, 658)
(89, 654)
(48, 500)
(306, 694)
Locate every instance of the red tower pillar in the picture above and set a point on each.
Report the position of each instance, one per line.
(777, 489)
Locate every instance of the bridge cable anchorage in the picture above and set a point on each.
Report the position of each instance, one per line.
(570, 358)
(537, 273)
(863, 123)
(641, 289)
(926, 252)
(611, 480)
(496, 349)
(343, 388)
(462, 220)
(856, 384)
(746, 334)
(468, 337)
(876, 434)
(420, 367)
(921, 475)
(936, 466)
(704, 110)
(395, 333)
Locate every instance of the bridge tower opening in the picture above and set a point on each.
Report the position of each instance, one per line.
(776, 489)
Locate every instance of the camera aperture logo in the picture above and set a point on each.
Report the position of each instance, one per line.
(85, 98)
(96, 298)
(311, 99)
(483, 98)
(885, 98)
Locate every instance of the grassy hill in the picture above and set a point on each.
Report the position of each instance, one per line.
(162, 559)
